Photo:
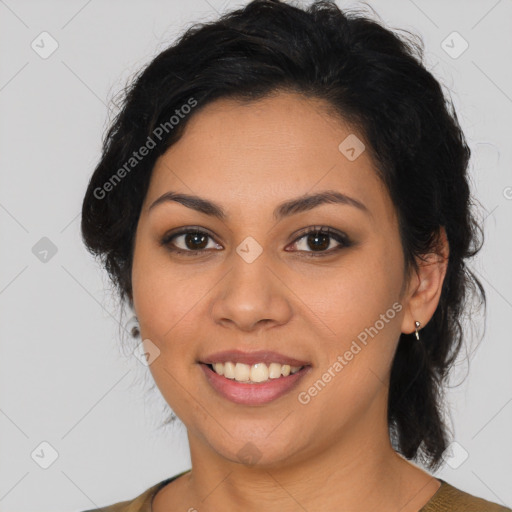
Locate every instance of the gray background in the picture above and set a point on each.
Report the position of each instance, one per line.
(64, 379)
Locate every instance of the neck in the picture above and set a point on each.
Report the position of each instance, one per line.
(359, 472)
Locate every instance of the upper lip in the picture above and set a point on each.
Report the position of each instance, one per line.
(250, 358)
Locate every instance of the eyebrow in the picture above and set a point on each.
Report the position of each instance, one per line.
(286, 209)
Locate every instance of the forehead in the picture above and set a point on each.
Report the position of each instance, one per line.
(255, 154)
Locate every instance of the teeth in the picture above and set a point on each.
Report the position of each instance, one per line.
(242, 372)
(219, 368)
(229, 370)
(258, 372)
(274, 370)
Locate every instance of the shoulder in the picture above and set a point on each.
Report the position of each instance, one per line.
(451, 499)
(141, 503)
(121, 506)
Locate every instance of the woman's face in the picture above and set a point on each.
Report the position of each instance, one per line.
(255, 281)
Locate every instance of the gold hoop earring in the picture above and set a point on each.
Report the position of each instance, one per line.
(417, 324)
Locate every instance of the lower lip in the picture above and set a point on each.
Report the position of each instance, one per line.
(253, 393)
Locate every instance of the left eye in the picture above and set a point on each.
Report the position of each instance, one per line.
(320, 240)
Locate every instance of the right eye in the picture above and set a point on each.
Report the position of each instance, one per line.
(188, 241)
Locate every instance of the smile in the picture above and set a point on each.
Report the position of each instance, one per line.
(248, 392)
(259, 372)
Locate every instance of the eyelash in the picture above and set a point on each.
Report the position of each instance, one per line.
(320, 230)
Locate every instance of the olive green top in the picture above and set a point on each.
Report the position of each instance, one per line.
(446, 499)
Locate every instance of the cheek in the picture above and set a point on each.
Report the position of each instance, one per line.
(172, 308)
(354, 294)
(160, 297)
(360, 307)
(165, 308)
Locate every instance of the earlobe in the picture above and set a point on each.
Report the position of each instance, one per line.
(430, 274)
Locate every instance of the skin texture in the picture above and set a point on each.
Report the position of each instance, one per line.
(335, 450)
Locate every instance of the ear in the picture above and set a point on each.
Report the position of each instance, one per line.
(425, 285)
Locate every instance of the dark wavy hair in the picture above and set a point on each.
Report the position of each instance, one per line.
(369, 76)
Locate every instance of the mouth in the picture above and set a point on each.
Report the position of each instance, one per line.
(256, 384)
(253, 374)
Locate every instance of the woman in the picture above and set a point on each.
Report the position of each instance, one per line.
(283, 202)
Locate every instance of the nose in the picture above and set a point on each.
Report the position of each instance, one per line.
(251, 296)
